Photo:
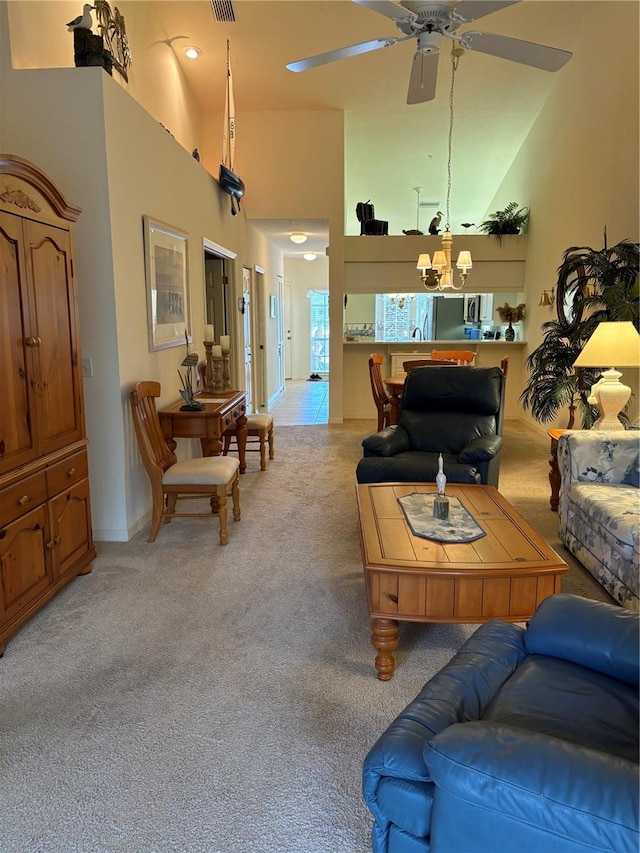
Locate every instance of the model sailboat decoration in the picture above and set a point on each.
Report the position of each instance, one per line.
(229, 181)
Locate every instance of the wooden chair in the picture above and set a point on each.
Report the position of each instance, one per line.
(428, 362)
(259, 431)
(209, 476)
(460, 356)
(380, 398)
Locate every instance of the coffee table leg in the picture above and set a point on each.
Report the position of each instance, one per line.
(384, 638)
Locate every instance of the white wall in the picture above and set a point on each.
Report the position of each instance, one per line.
(578, 168)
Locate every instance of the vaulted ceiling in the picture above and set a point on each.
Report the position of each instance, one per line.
(391, 148)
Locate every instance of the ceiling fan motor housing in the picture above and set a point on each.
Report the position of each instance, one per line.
(429, 17)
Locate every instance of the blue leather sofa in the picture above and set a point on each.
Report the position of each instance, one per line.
(525, 742)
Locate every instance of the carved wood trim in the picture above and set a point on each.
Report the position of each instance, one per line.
(20, 199)
(10, 164)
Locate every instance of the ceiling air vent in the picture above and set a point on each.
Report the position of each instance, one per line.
(223, 11)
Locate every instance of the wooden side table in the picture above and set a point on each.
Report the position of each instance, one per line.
(554, 472)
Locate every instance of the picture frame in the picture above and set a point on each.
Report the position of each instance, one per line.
(272, 307)
(166, 264)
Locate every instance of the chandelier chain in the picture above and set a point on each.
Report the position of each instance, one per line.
(454, 67)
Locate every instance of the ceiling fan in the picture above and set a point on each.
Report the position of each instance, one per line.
(428, 22)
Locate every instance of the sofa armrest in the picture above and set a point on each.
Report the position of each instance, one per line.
(481, 449)
(505, 782)
(462, 690)
(593, 456)
(387, 442)
(600, 636)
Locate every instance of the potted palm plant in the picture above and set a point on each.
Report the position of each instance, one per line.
(593, 285)
(511, 220)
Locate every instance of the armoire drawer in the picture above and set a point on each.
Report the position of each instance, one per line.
(22, 497)
(67, 472)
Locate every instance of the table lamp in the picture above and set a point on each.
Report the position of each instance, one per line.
(616, 342)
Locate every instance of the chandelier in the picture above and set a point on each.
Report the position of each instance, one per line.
(438, 274)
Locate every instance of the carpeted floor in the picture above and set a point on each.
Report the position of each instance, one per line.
(189, 697)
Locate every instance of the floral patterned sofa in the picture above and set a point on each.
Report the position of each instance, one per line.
(599, 508)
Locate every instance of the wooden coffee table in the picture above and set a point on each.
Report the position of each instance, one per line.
(504, 574)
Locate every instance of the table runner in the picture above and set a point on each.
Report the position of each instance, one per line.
(460, 526)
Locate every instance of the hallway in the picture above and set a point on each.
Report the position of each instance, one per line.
(302, 403)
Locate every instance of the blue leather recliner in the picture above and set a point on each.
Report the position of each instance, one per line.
(525, 742)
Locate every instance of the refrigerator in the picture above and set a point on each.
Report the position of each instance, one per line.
(448, 319)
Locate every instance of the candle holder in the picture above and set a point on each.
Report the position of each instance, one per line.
(217, 374)
(208, 370)
(226, 375)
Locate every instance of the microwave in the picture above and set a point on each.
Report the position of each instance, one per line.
(472, 309)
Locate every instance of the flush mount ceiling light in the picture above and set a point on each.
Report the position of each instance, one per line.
(298, 237)
(309, 256)
(192, 52)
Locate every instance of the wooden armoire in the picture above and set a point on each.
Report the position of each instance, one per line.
(45, 515)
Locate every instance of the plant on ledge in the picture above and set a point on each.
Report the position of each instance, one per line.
(511, 220)
(601, 284)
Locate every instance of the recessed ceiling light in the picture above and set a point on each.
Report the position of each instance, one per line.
(192, 52)
(309, 256)
(298, 237)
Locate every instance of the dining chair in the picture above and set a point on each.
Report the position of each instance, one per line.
(460, 356)
(259, 431)
(212, 477)
(380, 397)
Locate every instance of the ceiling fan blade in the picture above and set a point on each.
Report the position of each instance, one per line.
(340, 53)
(525, 52)
(471, 10)
(391, 10)
(424, 74)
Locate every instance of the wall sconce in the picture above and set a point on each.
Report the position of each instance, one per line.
(547, 298)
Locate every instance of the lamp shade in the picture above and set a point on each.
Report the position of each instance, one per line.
(424, 262)
(612, 344)
(439, 260)
(464, 260)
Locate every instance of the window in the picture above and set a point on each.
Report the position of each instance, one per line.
(319, 330)
(396, 320)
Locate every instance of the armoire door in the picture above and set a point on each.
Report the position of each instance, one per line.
(18, 431)
(60, 414)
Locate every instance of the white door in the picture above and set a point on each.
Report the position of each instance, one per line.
(246, 325)
(288, 332)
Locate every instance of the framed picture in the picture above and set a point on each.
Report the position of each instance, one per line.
(272, 307)
(166, 252)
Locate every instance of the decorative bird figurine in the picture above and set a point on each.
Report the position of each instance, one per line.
(466, 225)
(412, 232)
(83, 21)
(435, 222)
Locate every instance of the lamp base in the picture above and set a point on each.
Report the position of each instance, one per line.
(611, 396)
